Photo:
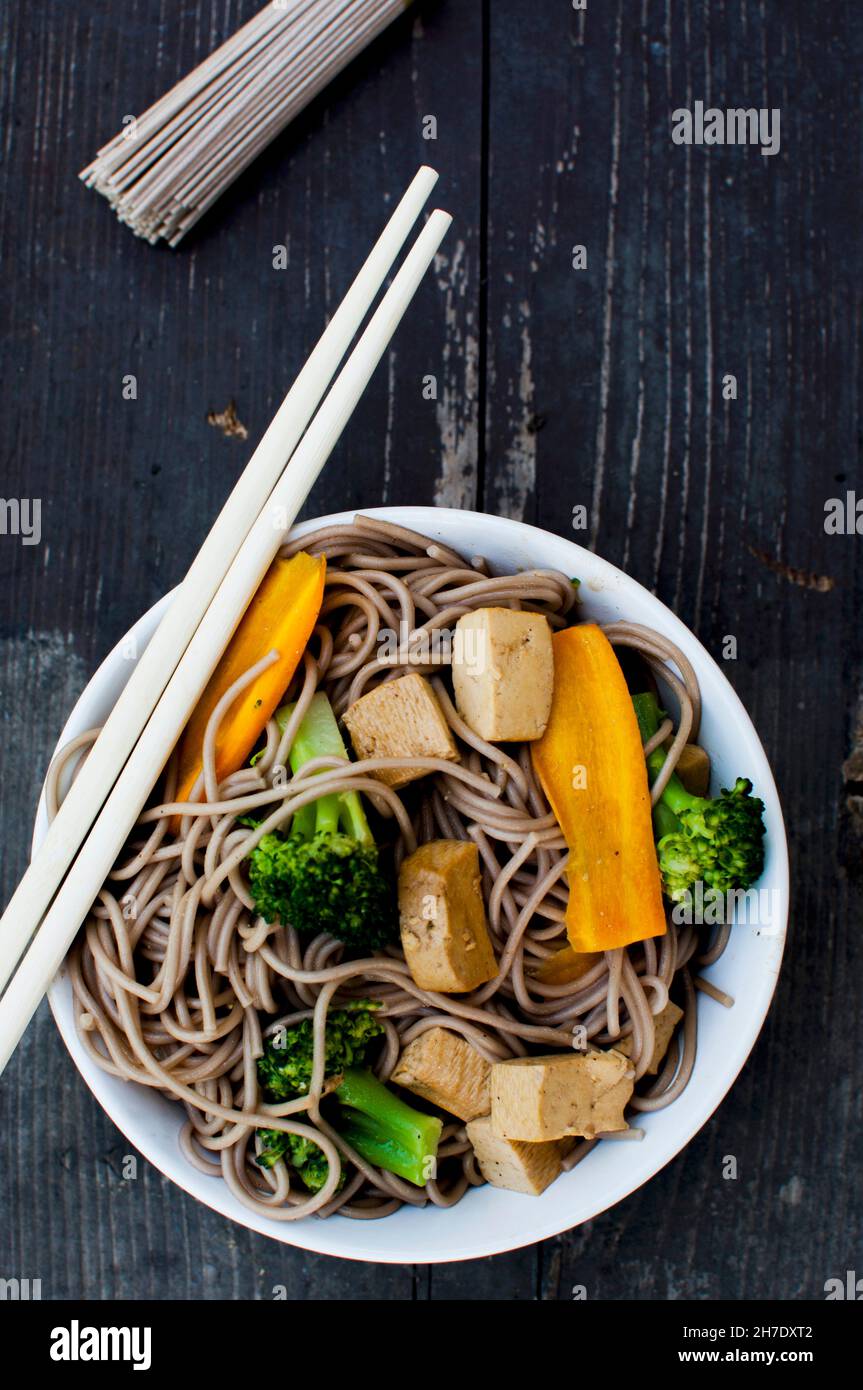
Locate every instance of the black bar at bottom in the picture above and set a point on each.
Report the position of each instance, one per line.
(255, 1338)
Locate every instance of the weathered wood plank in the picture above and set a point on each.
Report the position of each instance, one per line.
(703, 262)
(129, 487)
(556, 387)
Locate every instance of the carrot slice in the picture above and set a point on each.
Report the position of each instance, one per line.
(280, 617)
(591, 765)
(565, 966)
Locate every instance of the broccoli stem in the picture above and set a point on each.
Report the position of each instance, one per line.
(718, 841)
(665, 822)
(384, 1130)
(318, 737)
(675, 798)
(646, 708)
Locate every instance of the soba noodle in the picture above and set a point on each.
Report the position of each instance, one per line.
(178, 982)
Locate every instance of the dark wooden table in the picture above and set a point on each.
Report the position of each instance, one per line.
(557, 387)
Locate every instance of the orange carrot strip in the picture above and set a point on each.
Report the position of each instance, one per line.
(281, 617)
(591, 765)
(565, 966)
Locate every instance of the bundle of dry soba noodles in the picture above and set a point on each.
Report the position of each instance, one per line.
(181, 993)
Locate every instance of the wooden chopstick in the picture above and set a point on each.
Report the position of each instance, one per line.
(157, 663)
(123, 806)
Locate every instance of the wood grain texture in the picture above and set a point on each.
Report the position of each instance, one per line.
(557, 387)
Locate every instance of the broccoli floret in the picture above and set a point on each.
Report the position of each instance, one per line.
(330, 883)
(717, 841)
(372, 1119)
(325, 874)
(285, 1069)
(304, 1156)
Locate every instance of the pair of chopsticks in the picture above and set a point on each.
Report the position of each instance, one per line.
(114, 782)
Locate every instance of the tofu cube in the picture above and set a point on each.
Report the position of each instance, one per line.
(444, 933)
(503, 673)
(664, 1024)
(512, 1164)
(539, 1098)
(693, 769)
(443, 1068)
(400, 719)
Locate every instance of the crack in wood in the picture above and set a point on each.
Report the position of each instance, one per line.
(803, 578)
(228, 422)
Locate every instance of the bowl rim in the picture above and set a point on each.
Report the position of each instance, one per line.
(315, 1235)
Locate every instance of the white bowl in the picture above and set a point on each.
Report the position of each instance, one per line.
(490, 1220)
